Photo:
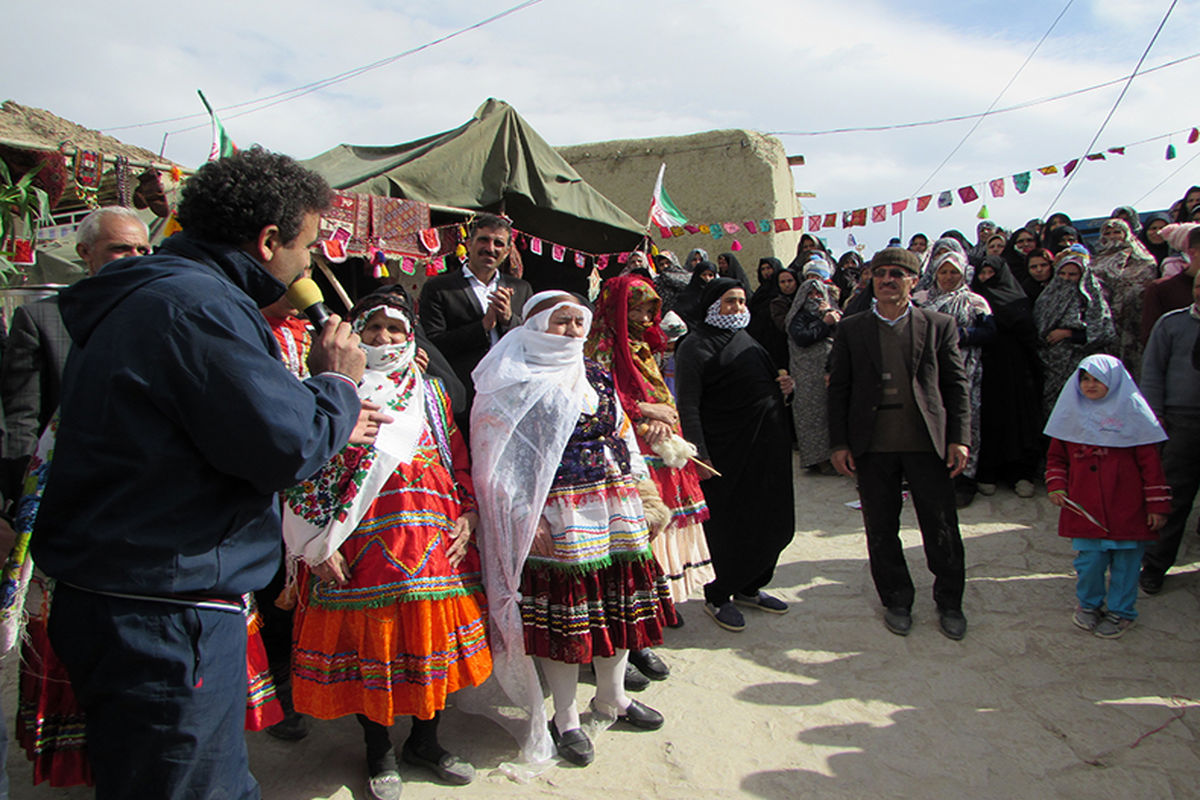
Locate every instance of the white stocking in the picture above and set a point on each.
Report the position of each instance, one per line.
(563, 680)
(610, 682)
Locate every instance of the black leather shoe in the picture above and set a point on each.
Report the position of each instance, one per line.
(898, 620)
(639, 715)
(649, 664)
(635, 681)
(1150, 581)
(574, 745)
(953, 624)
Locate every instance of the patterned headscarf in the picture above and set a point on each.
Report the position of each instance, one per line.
(1066, 304)
(624, 351)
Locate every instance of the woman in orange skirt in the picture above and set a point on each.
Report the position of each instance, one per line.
(390, 617)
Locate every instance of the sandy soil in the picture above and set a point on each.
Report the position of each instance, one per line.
(824, 702)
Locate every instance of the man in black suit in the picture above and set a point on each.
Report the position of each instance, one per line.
(465, 312)
(899, 409)
(38, 343)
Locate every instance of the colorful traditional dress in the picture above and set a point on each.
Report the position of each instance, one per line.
(600, 589)
(408, 628)
(681, 550)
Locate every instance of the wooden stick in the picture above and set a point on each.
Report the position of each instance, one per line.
(337, 285)
(697, 461)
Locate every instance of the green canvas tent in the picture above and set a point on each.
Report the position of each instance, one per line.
(495, 162)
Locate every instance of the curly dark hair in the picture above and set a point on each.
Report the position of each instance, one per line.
(232, 199)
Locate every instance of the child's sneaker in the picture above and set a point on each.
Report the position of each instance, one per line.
(1087, 618)
(1112, 627)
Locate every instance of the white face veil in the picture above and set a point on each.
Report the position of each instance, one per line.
(530, 390)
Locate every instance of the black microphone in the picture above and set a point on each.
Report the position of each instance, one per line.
(305, 296)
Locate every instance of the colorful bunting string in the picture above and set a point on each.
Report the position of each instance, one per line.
(850, 218)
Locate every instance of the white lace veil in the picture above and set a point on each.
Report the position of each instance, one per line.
(529, 392)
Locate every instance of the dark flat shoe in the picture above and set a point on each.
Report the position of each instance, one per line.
(953, 624)
(635, 681)
(448, 767)
(898, 620)
(573, 745)
(639, 715)
(649, 664)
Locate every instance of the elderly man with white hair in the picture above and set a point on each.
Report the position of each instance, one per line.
(38, 343)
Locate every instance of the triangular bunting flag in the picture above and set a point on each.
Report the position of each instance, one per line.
(879, 213)
(705, 228)
(899, 206)
(1095, 156)
(1070, 166)
(691, 228)
(602, 262)
(945, 199)
(677, 230)
(1194, 136)
(814, 223)
(716, 230)
(859, 217)
(923, 202)
(1170, 152)
(664, 232)
(764, 226)
(580, 261)
(535, 246)
(731, 227)
(968, 194)
(558, 252)
(997, 187)
(1120, 151)
(751, 227)
(830, 221)
(1021, 182)
(797, 223)
(781, 225)
(983, 212)
(1050, 170)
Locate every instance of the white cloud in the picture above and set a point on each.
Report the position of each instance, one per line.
(585, 72)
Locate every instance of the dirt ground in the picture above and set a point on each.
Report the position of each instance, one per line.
(823, 702)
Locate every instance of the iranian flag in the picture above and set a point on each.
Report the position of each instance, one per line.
(663, 212)
(222, 145)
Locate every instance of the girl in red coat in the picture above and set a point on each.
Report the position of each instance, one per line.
(1103, 471)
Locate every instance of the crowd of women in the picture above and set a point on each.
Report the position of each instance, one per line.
(1030, 304)
(627, 457)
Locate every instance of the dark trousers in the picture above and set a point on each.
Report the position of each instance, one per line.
(164, 690)
(879, 480)
(718, 592)
(1181, 463)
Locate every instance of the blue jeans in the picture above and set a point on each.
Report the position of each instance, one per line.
(1122, 567)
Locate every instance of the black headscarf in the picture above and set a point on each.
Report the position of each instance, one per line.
(1182, 213)
(1054, 239)
(845, 277)
(1014, 257)
(767, 288)
(687, 303)
(1163, 248)
(1010, 305)
(712, 292)
(735, 270)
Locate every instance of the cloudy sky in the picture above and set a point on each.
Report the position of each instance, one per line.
(589, 71)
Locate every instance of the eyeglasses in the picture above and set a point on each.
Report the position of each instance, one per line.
(880, 272)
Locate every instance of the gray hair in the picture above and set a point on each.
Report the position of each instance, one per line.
(89, 229)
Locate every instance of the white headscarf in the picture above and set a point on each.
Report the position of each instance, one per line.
(529, 392)
(1122, 418)
(315, 522)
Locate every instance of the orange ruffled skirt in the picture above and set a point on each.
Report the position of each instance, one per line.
(401, 659)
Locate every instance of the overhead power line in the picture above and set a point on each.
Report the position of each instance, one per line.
(994, 112)
(299, 91)
(1111, 111)
(996, 101)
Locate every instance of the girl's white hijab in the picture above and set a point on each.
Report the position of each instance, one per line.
(1122, 418)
